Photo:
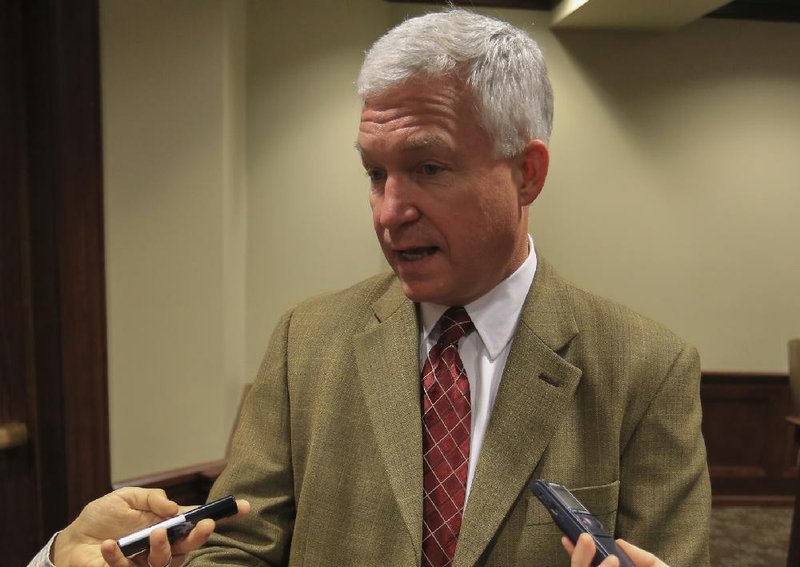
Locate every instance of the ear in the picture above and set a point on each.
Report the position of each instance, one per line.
(533, 164)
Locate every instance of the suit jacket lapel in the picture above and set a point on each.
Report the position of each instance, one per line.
(537, 385)
(387, 356)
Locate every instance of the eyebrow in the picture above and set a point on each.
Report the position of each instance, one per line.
(424, 142)
(415, 144)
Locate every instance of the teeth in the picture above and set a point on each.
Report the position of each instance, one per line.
(416, 253)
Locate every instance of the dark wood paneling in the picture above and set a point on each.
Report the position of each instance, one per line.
(53, 263)
(73, 148)
(67, 258)
(794, 534)
(752, 457)
(20, 524)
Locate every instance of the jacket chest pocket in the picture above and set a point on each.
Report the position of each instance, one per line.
(600, 500)
(530, 538)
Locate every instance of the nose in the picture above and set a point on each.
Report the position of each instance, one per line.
(396, 206)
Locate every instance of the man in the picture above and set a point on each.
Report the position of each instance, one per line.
(399, 422)
(89, 541)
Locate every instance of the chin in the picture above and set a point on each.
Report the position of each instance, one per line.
(419, 294)
(412, 293)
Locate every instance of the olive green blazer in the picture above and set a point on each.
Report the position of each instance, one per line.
(594, 397)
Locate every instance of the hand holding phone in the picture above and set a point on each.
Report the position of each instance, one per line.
(179, 526)
(573, 519)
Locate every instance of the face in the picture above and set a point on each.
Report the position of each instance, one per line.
(450, 217)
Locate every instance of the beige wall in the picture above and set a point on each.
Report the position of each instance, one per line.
(674, 187)
(309, 226)
(233, 191)
(173, 94)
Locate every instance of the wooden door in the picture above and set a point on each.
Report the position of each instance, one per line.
(54, 454)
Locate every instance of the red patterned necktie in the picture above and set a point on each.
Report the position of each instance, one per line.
(446, 424)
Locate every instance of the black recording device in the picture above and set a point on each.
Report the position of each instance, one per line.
(179, 526)
(574, 519)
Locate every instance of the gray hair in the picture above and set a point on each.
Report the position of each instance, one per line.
(502, 65)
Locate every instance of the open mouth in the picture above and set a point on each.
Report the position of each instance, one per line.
(413, 254)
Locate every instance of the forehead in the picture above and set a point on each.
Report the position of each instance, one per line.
(418, 115)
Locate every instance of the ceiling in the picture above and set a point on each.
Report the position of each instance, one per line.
(644, 14)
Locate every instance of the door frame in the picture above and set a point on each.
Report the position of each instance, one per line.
(54, 57)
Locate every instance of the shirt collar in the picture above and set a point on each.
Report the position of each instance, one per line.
(494, 314)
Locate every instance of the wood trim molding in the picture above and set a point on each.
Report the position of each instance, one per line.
(721, 376)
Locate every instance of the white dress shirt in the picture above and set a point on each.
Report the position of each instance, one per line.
(42, 558)
(485, 351)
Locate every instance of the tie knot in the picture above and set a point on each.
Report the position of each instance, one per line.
(454, 324)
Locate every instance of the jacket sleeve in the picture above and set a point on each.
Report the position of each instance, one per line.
(259, 470)
(665, 496)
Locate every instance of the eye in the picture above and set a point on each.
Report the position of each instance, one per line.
(375, 175)
(429, 169)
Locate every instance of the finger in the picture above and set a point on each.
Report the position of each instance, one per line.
(243, 507)
(149, 500)
(584, 551)
(158, 502)
(112, 554)
(203, 530)
(567, 545)
(639, 556)
(196, 538)
(160, 553)
(184, 509)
